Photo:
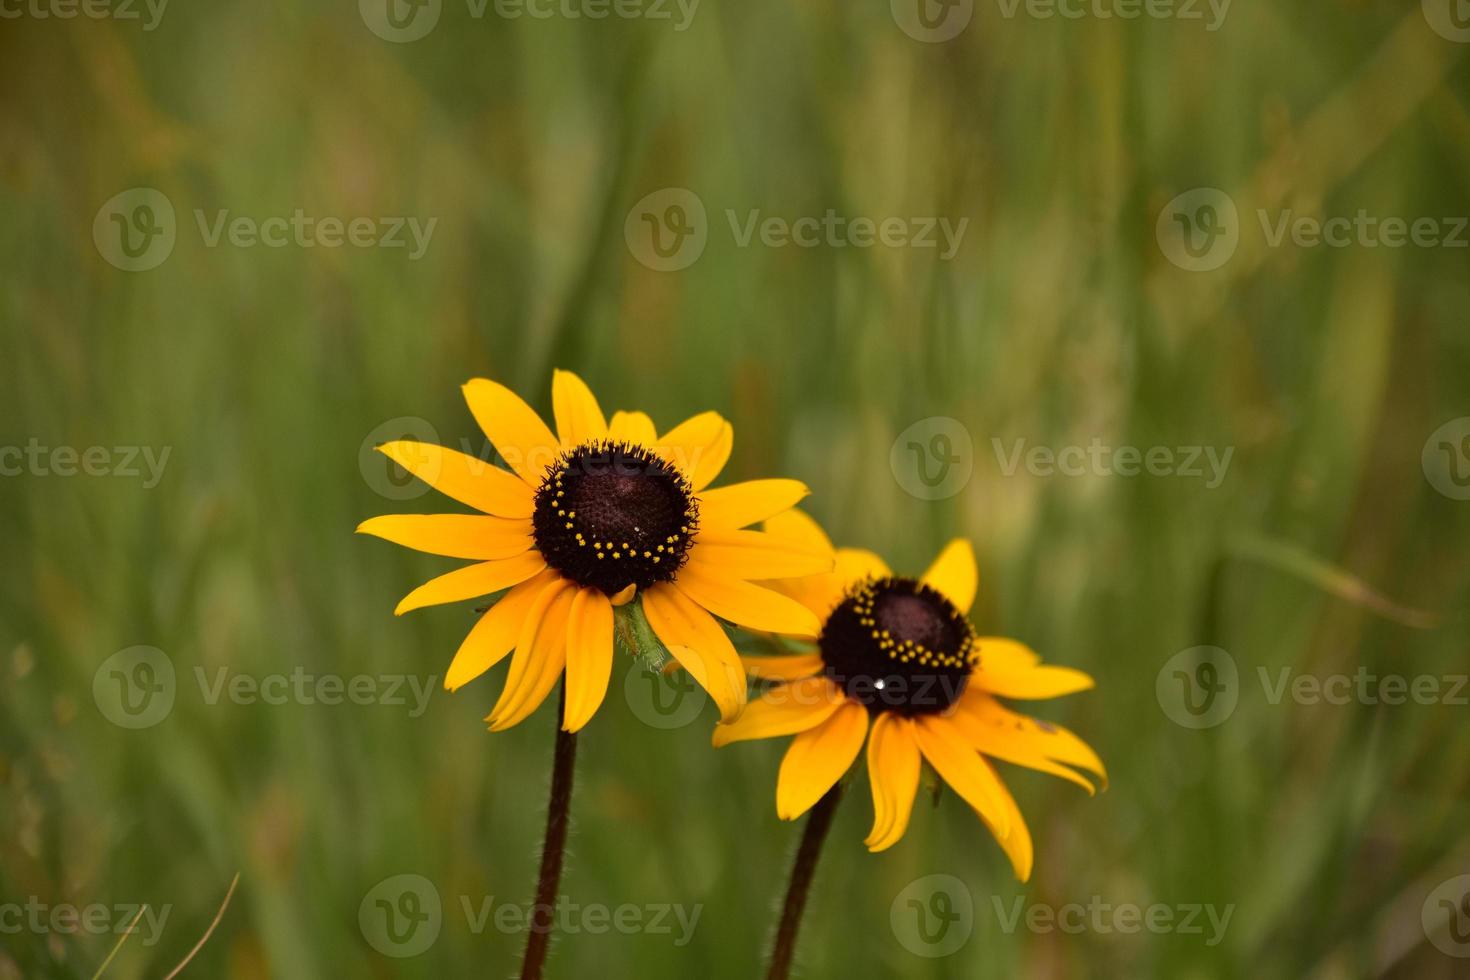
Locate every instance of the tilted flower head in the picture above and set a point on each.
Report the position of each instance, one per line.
(898, 665)
(585, 520)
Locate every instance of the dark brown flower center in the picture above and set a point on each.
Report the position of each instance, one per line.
(609, 515)
(894, 644)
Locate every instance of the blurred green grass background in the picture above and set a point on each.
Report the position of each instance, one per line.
(1059, 320)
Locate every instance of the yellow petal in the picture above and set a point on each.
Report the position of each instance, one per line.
(699, 644)
(1004, 676)
(961, 767)
(953, 574)
(893, 772)
(740, 504)
(819, 593)
(514, 428)
(822, 593)
(589, 656)
(799, 528)
(632, 427)
(699, 447)
(625, 595)
(817, 758)
(1005, 734)
(754, 555)
(859, 564)
(1003, 651)
(484, 486)
(495, 634)
(579, 418)
(784, 668)
(784, 710)
(709, 463)
(1015, 747)
(473, 581)
(453, 535)
(1017, 844)
(541, 653)
(745, 604)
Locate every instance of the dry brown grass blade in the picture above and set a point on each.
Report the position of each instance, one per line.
(119, 944)
(208, 932)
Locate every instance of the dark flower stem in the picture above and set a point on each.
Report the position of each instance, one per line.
(818, 822)
(543, 914)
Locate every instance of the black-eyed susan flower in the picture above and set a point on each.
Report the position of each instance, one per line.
(898, 667)
(585, 520)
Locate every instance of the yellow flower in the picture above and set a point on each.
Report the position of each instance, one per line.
(584, 520)
(898, 665)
